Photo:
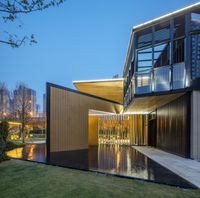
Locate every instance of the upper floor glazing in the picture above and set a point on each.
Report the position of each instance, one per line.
(164, 56)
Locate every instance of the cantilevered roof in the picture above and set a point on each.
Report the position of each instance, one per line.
(111, 89)
(148, 104)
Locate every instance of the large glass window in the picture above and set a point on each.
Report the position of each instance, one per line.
(144, 37)
(144, 60)
(162, 32)
(179, 25)
(195, 20)
(161, 55)
(195, 56)
(178, 55)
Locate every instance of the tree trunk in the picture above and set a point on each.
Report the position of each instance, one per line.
(23, 133)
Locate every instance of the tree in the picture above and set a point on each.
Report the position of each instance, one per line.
(11, 10)
(4, 128)
(22, 107)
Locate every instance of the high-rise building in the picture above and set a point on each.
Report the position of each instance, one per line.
(29, 96)
(44, 104)
(5, 106)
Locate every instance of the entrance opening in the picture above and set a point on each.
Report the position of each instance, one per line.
(117, 129)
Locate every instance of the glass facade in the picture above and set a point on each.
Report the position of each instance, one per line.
(159, 59)
(195, 40)
(162, 56)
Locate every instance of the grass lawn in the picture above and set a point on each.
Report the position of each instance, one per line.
(26, 179)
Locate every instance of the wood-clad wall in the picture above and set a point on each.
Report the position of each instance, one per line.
(195, 125)
(138, 129)
(173, 126)
(93, 130)
(67, 117)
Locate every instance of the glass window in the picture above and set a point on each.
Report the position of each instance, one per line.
(144, 56)
(161, 55)
(178, 55)
(195, 56)
(144, 59)
(144, 38)
(162, 32)
(195, 20)
(179, 25)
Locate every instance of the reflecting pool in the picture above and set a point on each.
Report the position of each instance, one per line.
(111, 159)
(32, 152)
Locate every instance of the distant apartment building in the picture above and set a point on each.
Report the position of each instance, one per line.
(44, 104)
(30, 96)
(5, 106)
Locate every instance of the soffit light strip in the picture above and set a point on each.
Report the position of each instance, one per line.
(101, 80)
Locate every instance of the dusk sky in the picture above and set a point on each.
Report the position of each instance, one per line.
(79, 40)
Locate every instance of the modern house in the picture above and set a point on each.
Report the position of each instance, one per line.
(155, 103)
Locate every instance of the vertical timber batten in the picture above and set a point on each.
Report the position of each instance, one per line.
(48, 115)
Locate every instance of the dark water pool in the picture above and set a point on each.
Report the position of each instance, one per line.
(111, 159)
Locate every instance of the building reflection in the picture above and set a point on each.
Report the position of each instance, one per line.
(111, 159)
(122, 160)
(32, 152)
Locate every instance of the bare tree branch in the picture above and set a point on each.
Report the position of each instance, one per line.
(11, 9)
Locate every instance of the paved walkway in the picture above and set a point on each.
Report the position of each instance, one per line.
(186, 168)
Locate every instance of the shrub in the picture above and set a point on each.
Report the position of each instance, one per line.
(10, 145)
(4, 128)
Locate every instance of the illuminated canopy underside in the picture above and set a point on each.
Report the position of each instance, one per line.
(111, 89)
(148, 104)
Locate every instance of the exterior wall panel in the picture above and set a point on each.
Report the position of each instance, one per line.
(67, 118)
(173, 126)
(138, 129)
(195, 125)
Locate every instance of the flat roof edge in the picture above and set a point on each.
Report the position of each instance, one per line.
(101, 80)
(185, 9)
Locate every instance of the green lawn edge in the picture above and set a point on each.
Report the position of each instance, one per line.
(28, 179)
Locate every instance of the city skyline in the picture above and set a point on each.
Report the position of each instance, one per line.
(10, 98)
(79, 36)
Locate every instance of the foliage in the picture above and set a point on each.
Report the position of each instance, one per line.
(10, 145)
(4, 128)
(10, 10)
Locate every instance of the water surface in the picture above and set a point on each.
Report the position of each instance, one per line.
(111, 159)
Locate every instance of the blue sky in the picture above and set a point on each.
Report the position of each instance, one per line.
(79, 40)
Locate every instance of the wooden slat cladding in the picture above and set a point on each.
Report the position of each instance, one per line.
(173, 126)
(138, 129)
(67, 124)
(195, 125)
(93, 130)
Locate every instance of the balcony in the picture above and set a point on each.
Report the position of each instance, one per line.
(161, 79)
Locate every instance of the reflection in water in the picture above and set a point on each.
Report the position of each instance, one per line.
(33, 152)
(113, 159)
(122, 160)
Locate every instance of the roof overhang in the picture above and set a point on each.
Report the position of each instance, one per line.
(111, 89)
(147, 104)
(169, 15)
